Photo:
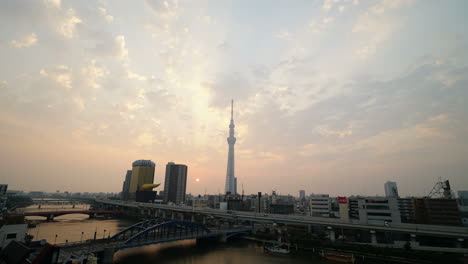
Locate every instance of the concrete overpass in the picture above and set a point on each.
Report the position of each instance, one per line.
(331, 225)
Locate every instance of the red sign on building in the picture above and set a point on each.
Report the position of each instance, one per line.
(342, 200)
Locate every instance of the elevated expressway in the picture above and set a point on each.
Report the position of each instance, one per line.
(173, 212)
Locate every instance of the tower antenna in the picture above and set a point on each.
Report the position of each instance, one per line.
(232, 108)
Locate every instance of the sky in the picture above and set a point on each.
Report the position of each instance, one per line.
(334, 96)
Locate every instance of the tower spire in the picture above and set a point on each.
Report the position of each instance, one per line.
(232, 109)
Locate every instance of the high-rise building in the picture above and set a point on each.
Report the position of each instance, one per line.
(231, 181)
(175, 183)
(391, 189)
(142, 173)
(126, 185)
(301, 194)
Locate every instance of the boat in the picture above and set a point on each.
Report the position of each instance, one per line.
(277, 249)
(339, 257)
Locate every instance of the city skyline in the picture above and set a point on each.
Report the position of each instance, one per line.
(333, 97)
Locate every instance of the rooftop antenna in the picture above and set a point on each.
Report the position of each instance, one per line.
(232, 108)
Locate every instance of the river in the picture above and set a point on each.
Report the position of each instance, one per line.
(76, 227)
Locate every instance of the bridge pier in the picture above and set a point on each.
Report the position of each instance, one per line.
(331, 234)
(460, 242)
(192, 218)
(373, 237)
(50, 218)
(108, 256)
(223, 238)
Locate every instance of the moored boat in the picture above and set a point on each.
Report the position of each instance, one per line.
(340, 257)
(277, 249)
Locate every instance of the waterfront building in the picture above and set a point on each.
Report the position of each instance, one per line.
(405, 205)
(343, 208)
(436, 211)
(463, 206)
(126, 185)
(231, 180)
(374, 210)
(320, 205)
(3, 195)
(175, 183)
(142, 173)
(391, 189)
(281, 208)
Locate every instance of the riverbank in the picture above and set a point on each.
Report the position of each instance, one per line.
(365, 253)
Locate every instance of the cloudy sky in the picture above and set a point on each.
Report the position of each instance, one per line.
(330, 96)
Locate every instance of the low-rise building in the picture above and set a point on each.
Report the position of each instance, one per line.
(405, 205)
(374, 210)
(436, 211)
(320, 205)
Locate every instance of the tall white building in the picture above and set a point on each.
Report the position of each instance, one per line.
(231, 181)
(391, 189)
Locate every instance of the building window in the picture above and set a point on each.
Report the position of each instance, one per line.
(11, 236)
(378, 207)
(379, 214)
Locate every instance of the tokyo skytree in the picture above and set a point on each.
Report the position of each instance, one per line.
(231, 181)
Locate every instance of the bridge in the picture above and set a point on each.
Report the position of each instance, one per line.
(456, 236)
(92, 213)
(149, 232)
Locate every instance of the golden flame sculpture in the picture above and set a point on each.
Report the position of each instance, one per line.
(149, 186)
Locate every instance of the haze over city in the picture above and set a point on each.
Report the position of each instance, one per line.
(331, 97)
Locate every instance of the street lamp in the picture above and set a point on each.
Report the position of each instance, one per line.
(55, 241)
(104, 235)
(82, 233)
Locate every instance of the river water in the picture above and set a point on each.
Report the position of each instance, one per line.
(76, 227)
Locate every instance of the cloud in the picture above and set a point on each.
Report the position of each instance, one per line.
(103, 12)
(228, 86)
(376, 25)
(93, 72)
(68, 25)
(284, 35)
(328, 4)
(61, 74)
(27, 41)
(121, 52)
(55, 3)
(165, 9)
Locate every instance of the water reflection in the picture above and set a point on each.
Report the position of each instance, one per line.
(72, 227)
(189, 251)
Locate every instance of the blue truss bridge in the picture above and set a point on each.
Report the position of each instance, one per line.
(150, 232)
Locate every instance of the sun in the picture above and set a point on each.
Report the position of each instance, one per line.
(197, 180)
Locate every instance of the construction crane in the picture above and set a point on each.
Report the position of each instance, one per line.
(441, 190)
